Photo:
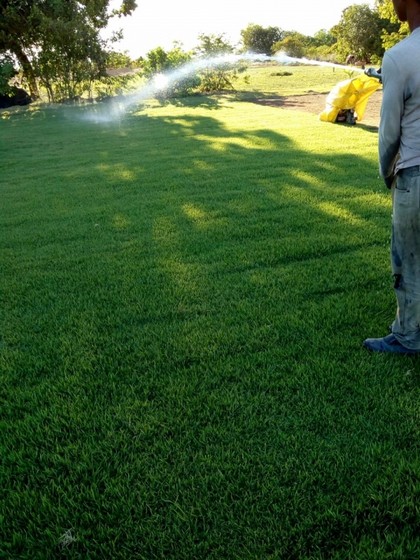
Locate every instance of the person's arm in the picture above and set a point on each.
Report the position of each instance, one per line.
(391, 114)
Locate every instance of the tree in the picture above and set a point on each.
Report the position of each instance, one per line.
(7, 72)
(175, 83)
(17, 36)
(213, 45)
(258, 39)
(158, 60)
(324, 38)
(393, 31)
(116, 59)
(62, 33)
(70, 54)
(322, 46)
(359, 33)
(293, 44)
(215, 77)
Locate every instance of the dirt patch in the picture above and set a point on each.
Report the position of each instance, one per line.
(315, 103)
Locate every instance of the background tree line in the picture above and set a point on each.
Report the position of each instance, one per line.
(55, 46)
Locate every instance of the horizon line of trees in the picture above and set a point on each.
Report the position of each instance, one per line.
(56, 45)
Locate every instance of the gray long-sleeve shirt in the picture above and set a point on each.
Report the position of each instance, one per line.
(399, 129)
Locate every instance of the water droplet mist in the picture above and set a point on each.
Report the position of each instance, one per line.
(115, 109)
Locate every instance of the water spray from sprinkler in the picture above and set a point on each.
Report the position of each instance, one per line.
(115, 109)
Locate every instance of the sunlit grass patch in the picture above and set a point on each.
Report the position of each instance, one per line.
(297, 80)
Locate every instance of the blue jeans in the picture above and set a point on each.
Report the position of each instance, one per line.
(405, 256)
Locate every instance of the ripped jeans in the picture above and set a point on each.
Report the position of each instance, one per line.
(405, 256)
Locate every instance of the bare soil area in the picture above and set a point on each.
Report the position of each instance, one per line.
(315, 103)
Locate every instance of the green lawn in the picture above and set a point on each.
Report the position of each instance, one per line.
(270, 78)
(184, 295)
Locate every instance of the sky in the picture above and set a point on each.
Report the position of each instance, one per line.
(161, 24)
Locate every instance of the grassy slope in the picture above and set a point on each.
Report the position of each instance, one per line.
(184, 295)
(270, 78)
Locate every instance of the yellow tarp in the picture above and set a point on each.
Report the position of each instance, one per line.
(349, 94)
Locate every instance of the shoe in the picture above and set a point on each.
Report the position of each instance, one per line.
(388, 344)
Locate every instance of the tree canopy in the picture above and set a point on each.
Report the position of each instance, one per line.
(359, 33)
(393, 30)
(57, 38)
(258, 39)
(221, 76)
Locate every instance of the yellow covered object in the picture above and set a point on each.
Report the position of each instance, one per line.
(349, 94)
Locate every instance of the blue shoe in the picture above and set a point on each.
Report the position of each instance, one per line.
(388, 344)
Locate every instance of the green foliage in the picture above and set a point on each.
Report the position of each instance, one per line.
(156, 61)
(115, 84)
(212, 45)
(121, 77)
(216, 79)
(7, 71)
(260, 40)
(118, 60)
(386, 10)
(319, 47)
(293, 44)
(220, 77)
(324, 38)
(70, 68)
(203, 77)
(323, 53)
(159, 61)
(184, 295)
(57, 41)
(359, 33)
(126, 8)
(393, 30)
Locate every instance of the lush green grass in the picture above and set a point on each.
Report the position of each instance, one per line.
(184, 295)
(270, 78)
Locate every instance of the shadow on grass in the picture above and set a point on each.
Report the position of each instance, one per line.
(210, 200)
(368, 128)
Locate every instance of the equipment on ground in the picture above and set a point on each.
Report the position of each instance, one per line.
(347, 101)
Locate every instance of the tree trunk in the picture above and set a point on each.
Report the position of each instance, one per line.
(28, 72)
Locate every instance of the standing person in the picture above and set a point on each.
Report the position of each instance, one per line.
(399, 162)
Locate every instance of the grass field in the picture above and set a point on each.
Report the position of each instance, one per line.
(184, 294)
(290, 80)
